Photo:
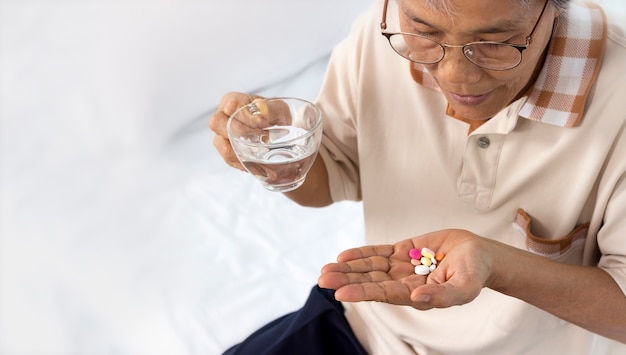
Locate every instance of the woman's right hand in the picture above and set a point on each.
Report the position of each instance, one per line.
(314, 192)
(228, 105)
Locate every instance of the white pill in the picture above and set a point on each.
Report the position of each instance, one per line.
(422, 270)
(432, 267)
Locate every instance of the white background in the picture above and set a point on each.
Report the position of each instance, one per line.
(121, 229)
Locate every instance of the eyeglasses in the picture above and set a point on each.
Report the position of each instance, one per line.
(485, 54)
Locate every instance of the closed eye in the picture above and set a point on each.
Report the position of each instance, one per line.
(428, 34)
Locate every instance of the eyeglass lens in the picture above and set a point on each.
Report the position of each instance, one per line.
(498, 56)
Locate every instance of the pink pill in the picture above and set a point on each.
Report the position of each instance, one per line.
(415, 254)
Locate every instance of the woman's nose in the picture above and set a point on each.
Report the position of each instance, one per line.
(456, 68)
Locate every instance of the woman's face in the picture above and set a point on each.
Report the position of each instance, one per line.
(472, 92)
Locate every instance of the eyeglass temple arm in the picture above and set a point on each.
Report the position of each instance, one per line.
(383, 22)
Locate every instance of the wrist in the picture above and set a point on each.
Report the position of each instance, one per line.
(501, 259)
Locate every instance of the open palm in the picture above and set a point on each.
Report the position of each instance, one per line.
(384, 273)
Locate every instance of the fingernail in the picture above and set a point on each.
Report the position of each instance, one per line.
(423, 299)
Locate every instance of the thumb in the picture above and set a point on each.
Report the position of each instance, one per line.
(442, 295)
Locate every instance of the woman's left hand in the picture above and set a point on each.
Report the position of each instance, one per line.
(384, 273)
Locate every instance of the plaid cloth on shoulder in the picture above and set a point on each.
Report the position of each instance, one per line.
(571, 67)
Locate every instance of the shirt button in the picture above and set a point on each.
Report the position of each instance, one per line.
(484, 142)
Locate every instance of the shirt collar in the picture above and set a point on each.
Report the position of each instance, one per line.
(571, 67)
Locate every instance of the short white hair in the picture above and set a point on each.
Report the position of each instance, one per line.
(445, 6)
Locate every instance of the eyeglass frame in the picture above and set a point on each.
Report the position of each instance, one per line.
(519, 47)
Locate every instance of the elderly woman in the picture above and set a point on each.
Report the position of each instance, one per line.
(491, 132)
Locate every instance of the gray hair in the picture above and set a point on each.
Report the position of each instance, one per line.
(445, 5)
(559, 4)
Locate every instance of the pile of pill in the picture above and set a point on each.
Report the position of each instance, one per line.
(425, 260)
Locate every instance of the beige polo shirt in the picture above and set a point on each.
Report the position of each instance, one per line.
(546, 174)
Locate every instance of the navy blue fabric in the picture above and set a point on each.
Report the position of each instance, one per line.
(318, 328)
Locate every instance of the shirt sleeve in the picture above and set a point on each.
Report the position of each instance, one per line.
(338, 102)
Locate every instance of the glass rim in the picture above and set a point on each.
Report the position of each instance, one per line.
(309, 132)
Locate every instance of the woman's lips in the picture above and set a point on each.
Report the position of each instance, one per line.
(470, 100)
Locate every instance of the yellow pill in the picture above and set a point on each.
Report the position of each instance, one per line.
(428, 253)
(426, 261)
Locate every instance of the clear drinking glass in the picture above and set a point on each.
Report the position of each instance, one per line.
(276, 140)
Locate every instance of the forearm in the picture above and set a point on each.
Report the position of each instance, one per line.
(585, 296)
(315, 192)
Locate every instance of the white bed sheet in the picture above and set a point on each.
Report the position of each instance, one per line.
(121, 229)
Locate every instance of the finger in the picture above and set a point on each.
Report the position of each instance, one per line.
(217, 123)
(368, 264)
(335, 280)
(392, 292)
(278, 113)
(234, 100)
(447, 294)
(433, 296)
(229, 103)
(366, 252)
(223, 147)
